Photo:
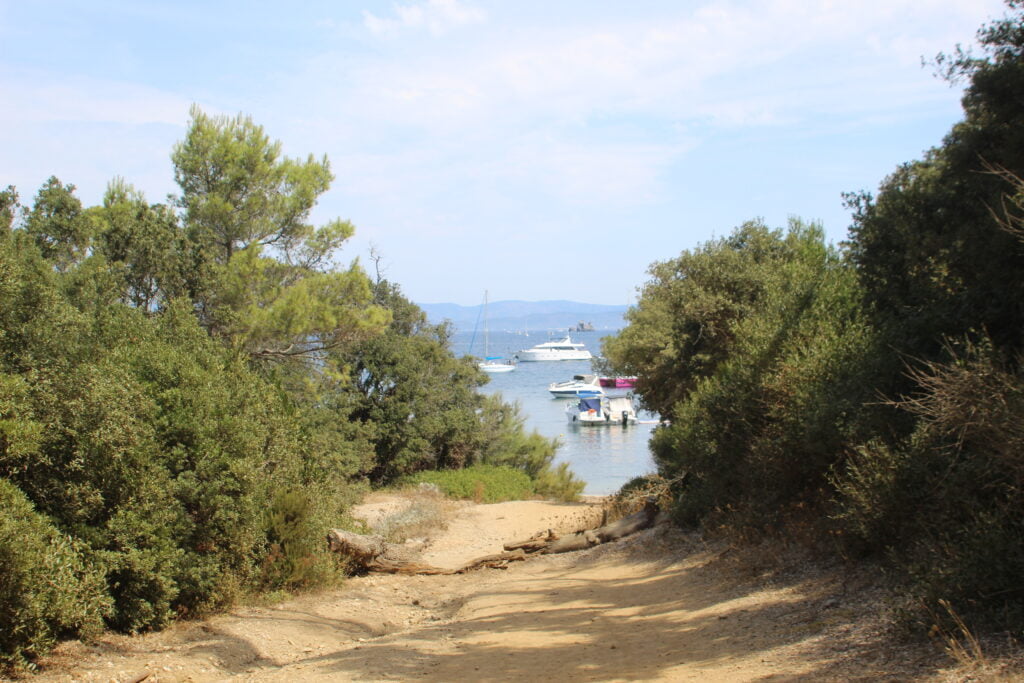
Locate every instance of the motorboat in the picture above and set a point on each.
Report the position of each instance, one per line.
(579, 385)
(561, 349)
(602, 410)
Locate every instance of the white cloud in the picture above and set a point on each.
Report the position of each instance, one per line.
(672, 67)
(435, 16)
(529, 115)
(724, 64)
(605, 111)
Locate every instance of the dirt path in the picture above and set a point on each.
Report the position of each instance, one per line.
(658, 606)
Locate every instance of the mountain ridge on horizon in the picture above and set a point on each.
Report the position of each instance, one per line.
(515, 314)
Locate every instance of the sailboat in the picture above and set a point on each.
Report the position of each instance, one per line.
(492, 364)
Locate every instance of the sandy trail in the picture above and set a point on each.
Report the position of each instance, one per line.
(658, 606)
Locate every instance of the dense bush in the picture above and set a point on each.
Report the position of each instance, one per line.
(48, 587)
(940, 256)
(949, 498)
(191, 393)
(761, 417)
(160, 452)
(876, 391)
(297, 556)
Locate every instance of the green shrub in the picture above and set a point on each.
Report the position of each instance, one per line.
(772, 402)
(296, 556)
(947, 501)
(507, 443)
(558, 483)
(48, 589)
(480, 483)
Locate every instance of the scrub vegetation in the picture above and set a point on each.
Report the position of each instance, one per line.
(192, 392)
(867, 396)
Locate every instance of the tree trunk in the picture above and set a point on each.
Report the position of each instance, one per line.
(374, 554)
(635, 522)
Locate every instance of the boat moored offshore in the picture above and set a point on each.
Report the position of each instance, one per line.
(601, 410)
(579, 385)
(561, 349)
(491, 364)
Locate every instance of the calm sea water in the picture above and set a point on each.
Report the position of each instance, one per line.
(605, 457)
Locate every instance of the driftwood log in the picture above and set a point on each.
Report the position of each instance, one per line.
(374, 554)
(638, 521)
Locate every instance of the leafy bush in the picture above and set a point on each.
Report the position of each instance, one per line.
(48, 588)
(297, 556)
(506, 443)
(558, 483)
(948, 500)
(765, 409)
(480, 483)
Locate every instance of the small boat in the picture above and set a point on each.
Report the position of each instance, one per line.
(579, 385)
(560, 349)
(601, 410)
(495, 364)
(492, 364)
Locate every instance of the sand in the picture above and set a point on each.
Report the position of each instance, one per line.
(658, 606)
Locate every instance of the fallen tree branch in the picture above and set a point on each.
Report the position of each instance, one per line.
(374, 554)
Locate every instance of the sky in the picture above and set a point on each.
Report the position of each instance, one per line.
(537, 150)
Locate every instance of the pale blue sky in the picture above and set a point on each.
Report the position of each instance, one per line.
(540, 150)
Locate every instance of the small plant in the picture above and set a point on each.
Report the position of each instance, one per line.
(295, 558)
(427, 510)
(558, 483)
(480, 483)
(636, 492)
(959, 641)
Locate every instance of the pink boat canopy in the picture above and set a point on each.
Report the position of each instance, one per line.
(618, 382)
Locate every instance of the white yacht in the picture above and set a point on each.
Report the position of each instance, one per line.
(562, 349)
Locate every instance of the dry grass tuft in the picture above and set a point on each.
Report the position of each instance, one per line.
(635, 494)
(425, 510)
(958, 641)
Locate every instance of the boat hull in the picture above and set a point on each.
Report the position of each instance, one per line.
(494, 368)
(531, 356)
(579, 386)
(601, 420)
(576, 393)
(593, 412)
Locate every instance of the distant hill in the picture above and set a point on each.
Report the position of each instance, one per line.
(529, 315)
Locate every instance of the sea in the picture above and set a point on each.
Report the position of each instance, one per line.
(605, 457)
